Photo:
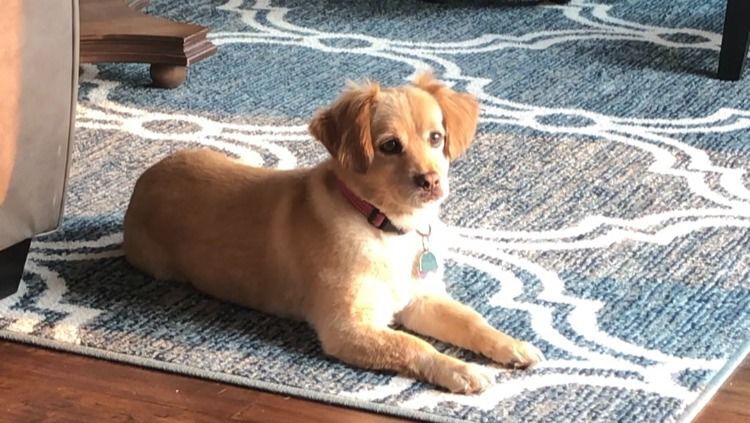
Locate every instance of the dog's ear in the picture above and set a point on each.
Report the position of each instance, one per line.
(344, 127)
(460, 114)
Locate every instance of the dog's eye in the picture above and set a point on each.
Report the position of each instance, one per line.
(436, 139)
(392, 146)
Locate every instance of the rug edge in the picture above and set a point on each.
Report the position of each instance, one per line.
(733, 362)
(241, 381)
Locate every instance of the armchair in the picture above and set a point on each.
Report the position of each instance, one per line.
(38, 90)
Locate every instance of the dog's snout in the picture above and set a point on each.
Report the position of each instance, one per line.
(427, 181)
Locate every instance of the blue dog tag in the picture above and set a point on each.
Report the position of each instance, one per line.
(427, 263)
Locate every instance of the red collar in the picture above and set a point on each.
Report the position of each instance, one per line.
(373, 214)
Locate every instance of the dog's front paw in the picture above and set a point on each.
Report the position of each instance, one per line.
(465, 378)
(517, 354)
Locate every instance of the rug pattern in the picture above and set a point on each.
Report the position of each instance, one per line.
(603, 212)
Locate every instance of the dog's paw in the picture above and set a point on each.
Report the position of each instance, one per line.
(466, 378)
(517, 355)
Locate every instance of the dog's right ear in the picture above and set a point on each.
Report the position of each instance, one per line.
(344, 127)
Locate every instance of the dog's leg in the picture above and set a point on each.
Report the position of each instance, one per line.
(388, 349)
(450, 321)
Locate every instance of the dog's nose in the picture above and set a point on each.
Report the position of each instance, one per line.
(427, 181)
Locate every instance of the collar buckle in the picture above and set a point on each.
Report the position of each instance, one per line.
(374, 216)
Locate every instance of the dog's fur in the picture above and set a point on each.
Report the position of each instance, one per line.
(289, 243)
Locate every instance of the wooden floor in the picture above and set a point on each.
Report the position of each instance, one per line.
(43, 385)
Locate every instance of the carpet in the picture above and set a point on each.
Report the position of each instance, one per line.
(603, 212)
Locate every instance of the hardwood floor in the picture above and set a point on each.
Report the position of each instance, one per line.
(732, 403)
(37, 384)
(43, 385)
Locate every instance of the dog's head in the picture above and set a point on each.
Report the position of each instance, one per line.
(394, 145)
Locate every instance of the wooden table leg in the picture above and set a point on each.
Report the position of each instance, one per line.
(734, 42)
(117, 31)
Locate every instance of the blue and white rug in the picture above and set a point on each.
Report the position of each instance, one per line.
(603, 212)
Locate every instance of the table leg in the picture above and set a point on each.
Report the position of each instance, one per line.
(734, 44)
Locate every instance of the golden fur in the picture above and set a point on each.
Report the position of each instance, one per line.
(289, 243)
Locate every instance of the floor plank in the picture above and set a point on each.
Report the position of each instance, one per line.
(38, 384)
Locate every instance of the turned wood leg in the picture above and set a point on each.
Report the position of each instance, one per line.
(734, 42)
(167, 76)
(12, 261)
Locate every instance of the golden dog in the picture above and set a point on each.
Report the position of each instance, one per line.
(350, 245)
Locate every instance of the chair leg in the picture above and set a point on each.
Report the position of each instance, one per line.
(12, 261)
(734, 42)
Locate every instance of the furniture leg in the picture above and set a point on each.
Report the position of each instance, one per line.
(734, 43)
(12, 261)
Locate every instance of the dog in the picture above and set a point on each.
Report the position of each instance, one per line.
(351, 245)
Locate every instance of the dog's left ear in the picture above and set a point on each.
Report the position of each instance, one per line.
(344, 127)
(460, 114)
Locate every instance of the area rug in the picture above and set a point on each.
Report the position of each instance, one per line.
(603, 212)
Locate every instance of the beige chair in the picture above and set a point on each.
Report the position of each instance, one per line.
(38, 89)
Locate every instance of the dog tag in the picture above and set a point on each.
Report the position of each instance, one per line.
(427, 263)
